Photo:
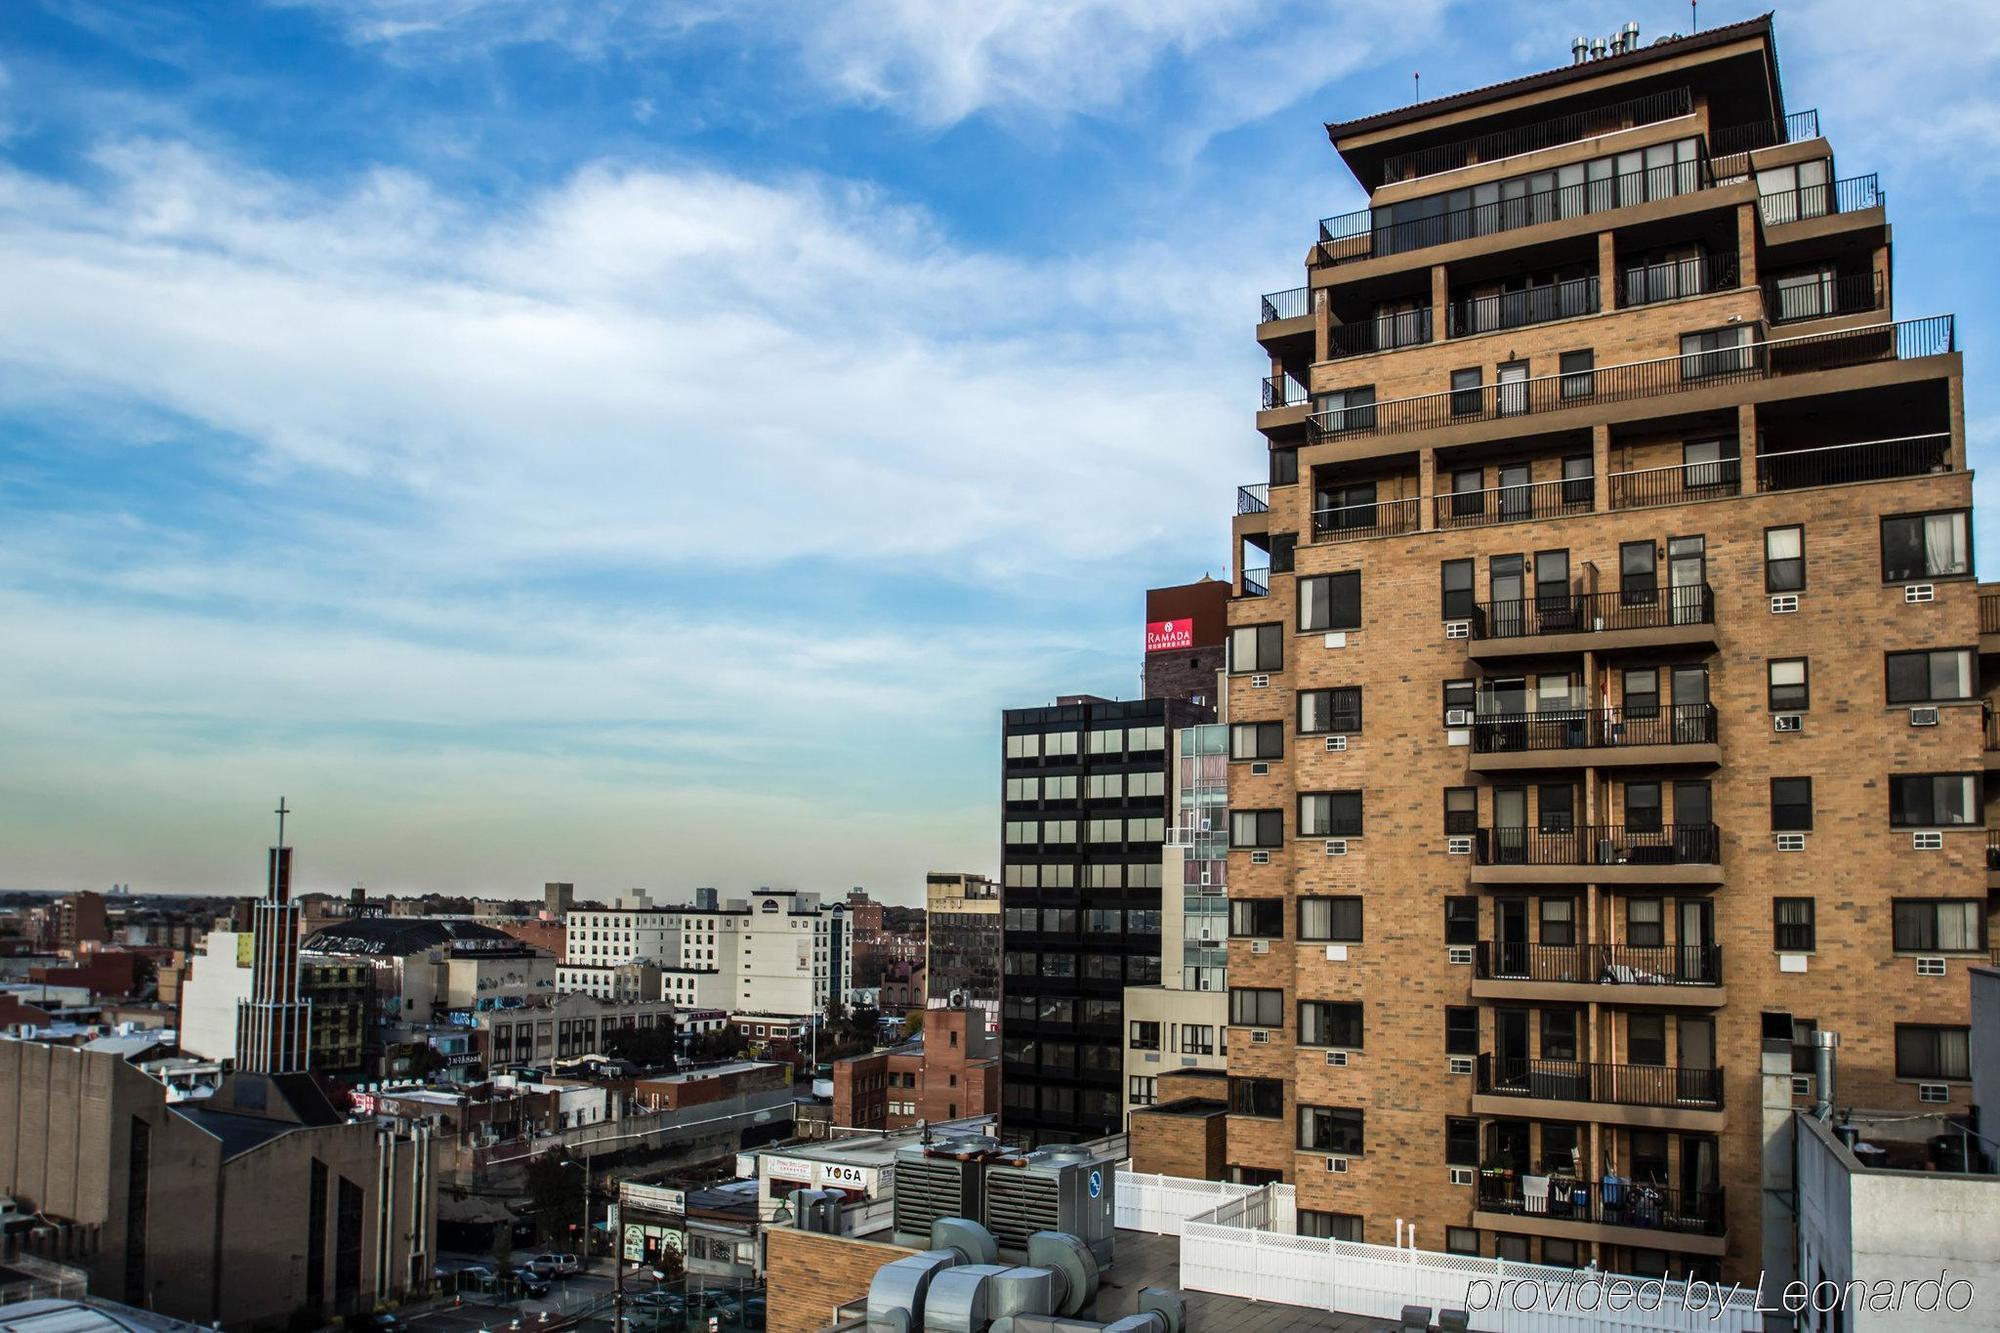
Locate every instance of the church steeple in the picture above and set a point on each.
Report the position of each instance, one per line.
(272, 1026)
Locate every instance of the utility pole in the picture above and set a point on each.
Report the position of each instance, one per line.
(617, 1271)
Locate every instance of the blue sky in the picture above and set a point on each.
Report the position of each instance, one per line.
(645, 443)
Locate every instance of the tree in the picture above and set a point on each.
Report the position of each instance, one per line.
(667, 1263)
(913, 1023)
(721, 1044)
(555, 1193)
(503, 1246)
(651, 1047)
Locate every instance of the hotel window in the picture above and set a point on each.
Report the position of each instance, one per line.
(1258, 740)
(1933, 1052)
(1933, 800)
(1926, 546)
(1330, 919)
(1331, 1129)
(1788, 687)
(1256, 648)
(1793, 929)
(1940, 925)
(1331, 710)
(1943, 675)
(1332, 814)
(1784, 559)
(1327, 1023)
(1791, 805)
(1330, 601)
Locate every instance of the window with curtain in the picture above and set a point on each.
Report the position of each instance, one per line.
(1330, 601)
(1330, 919)
(1939, 675)
(1926, 546)
(1934, 800)
(1792, 925)
(1940, 925)
(1784, 559)
(1928, 1051)
(1788, 688)
(1330, 710)
(1331, 814)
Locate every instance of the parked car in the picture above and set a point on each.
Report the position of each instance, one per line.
(556, 1265)
(530, 1282)
(753, 1310)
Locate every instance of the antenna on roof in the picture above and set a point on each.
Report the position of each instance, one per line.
(1418, 75)
(1694, 15)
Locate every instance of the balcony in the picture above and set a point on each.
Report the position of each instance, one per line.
(1384, 518)
(1641, 616)
(1783, 470)
(1254, 499)
(1736, 140)
(1666, 1096)
(1553, 133)
(1677, 279)
(1660, 377)
(1806, 202)
(1293, 304)
(1513, 310)
(1283, 391)
(1993, 859)
(1383, 333)
(1789, 301)
(1616, 1212)
(1601, 737)
(1257, 582)
(1683, 975)
(1519, 503)
(1599, 854)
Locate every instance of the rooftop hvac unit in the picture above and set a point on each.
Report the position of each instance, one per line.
(1058, 1189)
(937, 1180)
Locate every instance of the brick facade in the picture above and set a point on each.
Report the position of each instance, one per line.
(811, 1275)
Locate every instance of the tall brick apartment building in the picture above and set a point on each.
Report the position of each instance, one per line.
(1605, 673)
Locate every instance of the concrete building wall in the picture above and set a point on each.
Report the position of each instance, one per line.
(217, 981)
(1174, 1048)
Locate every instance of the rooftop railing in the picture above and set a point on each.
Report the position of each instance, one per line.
(1676, 279)
(1617, 1203)
(1640, 379)
(1284, 305)
(1787, 302)
(1513, 310)
(1593, 728)
(1383, 333)
(1600, 845)
(1600, 964)
(1610, 1084)
(1578, 125)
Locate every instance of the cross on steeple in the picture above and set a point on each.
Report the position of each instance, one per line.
(281, 812)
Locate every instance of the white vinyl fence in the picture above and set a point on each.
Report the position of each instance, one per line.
(1244, 1246)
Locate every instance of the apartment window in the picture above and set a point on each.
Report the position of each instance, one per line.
(1461, 920)
(1142, 1090)
(1145, 1036)
(1793, 929)
(1330, 814)
(1926, 546)
(1256, 648)
(1784, 559)
(1933, 1051)
(1347, 409)
(1715, 352)
(1461, 1029)
(1256, 1008)
(1461, 810)
(1787, 684)
(1933, 800)
(1559, 1028)
(1560, 1253)
(1284, 467)
(1256, 740)
(1465, 393)
(1468, 498)
(1515, 1249)
(1804, 1030)
(1334, 1129)
(1941, 675)
(1455, 576)
(1105, 786)
(1330, 919)
(1646, 1038)
(1197, 1039)
(1555, 806)
(1261, 1097)
(1642, 807)
(1940, 925)
(1642, 692)
(1459, 696)
(1645, 923)
(1709, 465)
(1329, 1226)
(1334, 710)
(1791, 805)
(1325, 1023)
(1256, 828)
(1257, 918)
(1577, 379)
(1558, 921)
(1461, 1141)
(1638, 581)
(1578, 480)
(1330, 601)
(1461, 1240)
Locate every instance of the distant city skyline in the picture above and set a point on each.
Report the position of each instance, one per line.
(648, 446)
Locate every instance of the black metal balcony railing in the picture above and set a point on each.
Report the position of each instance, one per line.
(1590, 728)
(1257, 582)
(1734, 139)
(1384, 518)
(1513, 310)
(1675, 279)
(1600, 845)
(1380, 333)
(1254, 499)
(1514, 504)
(1677, 483)
(1576, 126)
(1620, 1204)
(1993, 849)
(1600, 964)
(1845, 294)
(1932, 336)
(1606, 1084)
(1989, 613)
(1284, 305)
(1637, 607)
(1803, 202)
(1359, 235)
(1871, 460)
(1283, 391)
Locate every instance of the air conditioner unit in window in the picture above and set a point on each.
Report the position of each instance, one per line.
(1461, 1175)
(1335, 744)
(1791, 842)
(1930, 967)
(1338, 1059)
(1923, 717)
(1784, 604)
(1458, 629)
(1458, 717)
(1337, 1165)
(1458, 846)
(1259, 682)
(1205, 933)
(1458, 1064)
(1260, 858)
(1933, 1092)
(1336, 846)
(1920, 592)
(1259, 770)
(1927, 842)
(1260, 946)
(1458, 955)
(1259, 1035)
(1787, 722)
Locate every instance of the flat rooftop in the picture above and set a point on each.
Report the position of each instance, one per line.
(708, 1071)
(1145, 1260)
